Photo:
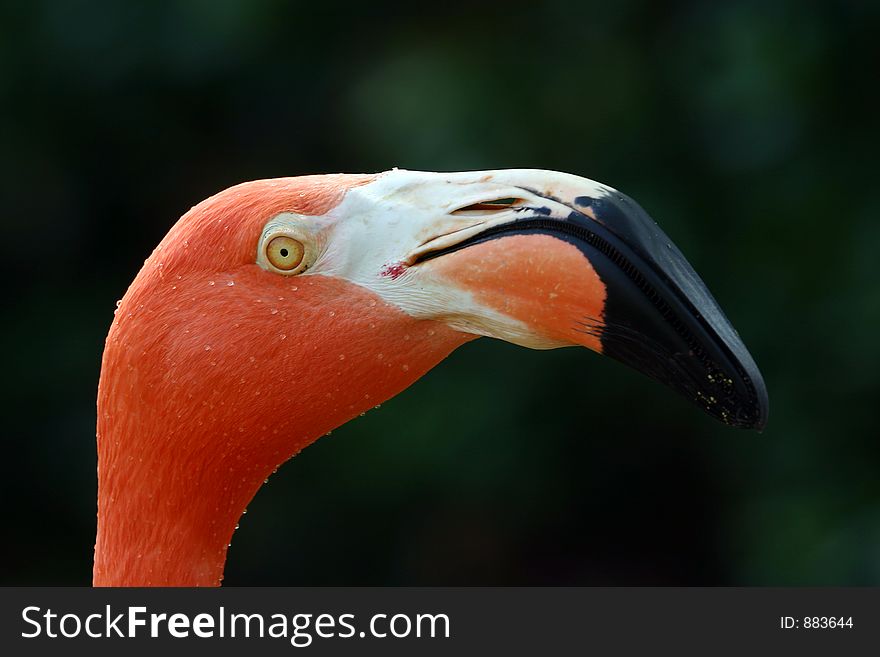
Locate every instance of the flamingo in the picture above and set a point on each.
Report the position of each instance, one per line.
(279, 309)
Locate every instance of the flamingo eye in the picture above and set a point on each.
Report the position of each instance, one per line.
(285, 253)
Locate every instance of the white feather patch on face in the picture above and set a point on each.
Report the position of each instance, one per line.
(373, 236)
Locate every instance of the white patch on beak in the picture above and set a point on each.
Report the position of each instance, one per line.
(380, 229)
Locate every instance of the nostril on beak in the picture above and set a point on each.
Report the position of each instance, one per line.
(484, 207)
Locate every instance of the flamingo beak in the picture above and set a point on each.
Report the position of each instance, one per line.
(575, 262)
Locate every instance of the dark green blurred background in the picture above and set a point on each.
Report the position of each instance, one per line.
(749, 130)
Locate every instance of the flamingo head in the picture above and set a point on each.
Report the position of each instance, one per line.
(279, 309)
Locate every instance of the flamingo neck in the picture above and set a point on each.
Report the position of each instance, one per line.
(158, 525)
(209, 383)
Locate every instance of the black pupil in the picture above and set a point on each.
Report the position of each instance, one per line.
(283, 253)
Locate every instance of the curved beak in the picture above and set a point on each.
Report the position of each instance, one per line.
(576, 262)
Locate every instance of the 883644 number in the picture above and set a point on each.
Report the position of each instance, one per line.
(826, 622)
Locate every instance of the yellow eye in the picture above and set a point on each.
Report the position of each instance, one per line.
(284, 253)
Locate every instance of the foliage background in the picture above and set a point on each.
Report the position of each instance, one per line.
(748, 129)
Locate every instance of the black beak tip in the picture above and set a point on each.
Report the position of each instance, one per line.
(741, 402)
(761, 404)
(661, 319)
